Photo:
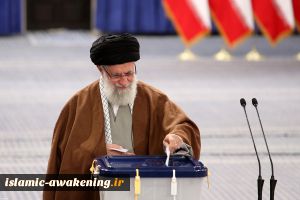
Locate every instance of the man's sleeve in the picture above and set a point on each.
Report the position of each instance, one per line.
(176, 121)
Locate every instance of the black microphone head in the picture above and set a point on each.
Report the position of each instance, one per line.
(254, 102)
(243, 102)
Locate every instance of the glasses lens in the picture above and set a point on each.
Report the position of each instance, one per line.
(128, 74)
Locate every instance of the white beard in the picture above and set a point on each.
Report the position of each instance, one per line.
(117, 96)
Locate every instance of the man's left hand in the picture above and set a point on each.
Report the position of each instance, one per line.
(173, 141)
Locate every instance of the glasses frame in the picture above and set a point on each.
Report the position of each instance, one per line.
(118, 77)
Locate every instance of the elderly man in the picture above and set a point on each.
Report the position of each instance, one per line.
(114, 113)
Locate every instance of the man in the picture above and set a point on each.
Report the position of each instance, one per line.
(116, 112)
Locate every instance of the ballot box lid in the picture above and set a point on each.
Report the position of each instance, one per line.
(149, 166)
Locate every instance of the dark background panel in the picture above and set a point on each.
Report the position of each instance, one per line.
(45, 14)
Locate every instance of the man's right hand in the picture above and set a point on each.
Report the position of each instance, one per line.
(117, 150)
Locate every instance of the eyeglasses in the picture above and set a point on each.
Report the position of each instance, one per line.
(118, 76)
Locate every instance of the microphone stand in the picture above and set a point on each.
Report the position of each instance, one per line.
(273, 181)
(260, 181)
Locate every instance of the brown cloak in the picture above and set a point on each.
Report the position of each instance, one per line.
(79, 132)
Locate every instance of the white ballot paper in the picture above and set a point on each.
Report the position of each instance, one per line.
(168, 156)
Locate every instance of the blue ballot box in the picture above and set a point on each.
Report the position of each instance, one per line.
(155, 176)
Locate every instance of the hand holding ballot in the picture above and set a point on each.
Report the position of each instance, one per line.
(173, 141)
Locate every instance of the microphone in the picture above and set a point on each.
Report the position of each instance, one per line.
(260, 181)
(272, 179)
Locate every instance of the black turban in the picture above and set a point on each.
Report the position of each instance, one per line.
(115, 49)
